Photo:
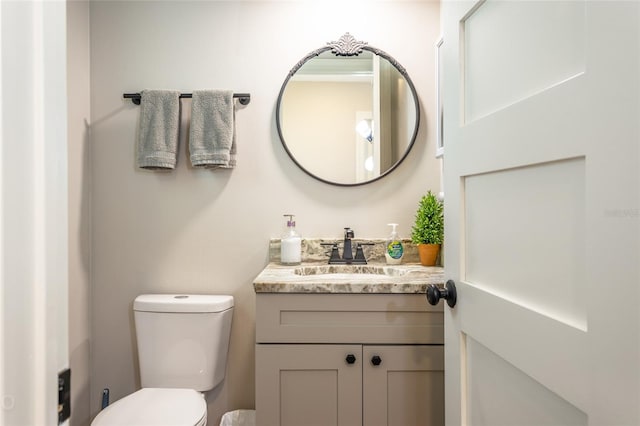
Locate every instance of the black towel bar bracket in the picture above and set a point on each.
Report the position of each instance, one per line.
(243, 98)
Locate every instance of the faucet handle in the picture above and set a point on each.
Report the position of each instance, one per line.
(334, 254)
(330, 245)
(360, 252)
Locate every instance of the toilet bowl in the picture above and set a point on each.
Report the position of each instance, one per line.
(183, 342)
(156, 407)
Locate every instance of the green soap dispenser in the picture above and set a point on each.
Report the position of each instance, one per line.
(393, 248)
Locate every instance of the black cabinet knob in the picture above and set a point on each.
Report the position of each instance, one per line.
(434, 294)
(351, 358)
(376, 360)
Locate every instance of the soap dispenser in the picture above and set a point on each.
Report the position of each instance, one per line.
(290, 244)
(393, 249)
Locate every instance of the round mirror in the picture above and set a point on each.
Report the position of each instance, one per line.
(348, 113)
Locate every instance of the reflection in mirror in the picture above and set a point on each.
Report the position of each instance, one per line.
(347, 113)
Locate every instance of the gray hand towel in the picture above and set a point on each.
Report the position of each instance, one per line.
(158, 130)
(212, 132)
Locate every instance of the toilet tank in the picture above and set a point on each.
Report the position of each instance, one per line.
(183, 340)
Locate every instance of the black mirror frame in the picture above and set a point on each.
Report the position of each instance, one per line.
(349, 46)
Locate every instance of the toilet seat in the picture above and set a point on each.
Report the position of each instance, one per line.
(156, 407)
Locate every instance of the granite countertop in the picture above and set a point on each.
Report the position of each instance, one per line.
(319, 277)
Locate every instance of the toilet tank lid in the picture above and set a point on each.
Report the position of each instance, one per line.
(196, 303)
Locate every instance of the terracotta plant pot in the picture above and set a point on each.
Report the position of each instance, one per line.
(428, 254)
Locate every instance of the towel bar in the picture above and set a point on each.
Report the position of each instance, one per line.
(243, 98)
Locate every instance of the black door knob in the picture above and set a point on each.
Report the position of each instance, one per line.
(448, 293)
(351, 358)
(376, 360)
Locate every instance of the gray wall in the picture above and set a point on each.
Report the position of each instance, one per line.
(208, 231)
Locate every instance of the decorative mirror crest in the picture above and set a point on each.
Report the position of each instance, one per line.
(347, 45)
(347, 113)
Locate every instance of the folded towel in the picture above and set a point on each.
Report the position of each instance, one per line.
(158, 130)
(212, 132)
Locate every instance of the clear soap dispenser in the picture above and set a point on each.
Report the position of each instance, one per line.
(290, 244)
(394, 249)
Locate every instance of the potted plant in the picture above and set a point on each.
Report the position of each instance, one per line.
(428, 229)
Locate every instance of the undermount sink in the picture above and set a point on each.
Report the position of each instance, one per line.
(389, 271)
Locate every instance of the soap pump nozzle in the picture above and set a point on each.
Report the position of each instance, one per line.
(290, 223)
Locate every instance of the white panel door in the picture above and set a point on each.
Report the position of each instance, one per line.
(542, 127)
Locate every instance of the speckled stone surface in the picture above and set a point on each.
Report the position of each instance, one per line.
(314, 251)
(314, 277)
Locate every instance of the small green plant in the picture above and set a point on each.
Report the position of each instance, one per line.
(429, 224)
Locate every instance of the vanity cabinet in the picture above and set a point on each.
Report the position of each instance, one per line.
(348, 359)
(308, 385)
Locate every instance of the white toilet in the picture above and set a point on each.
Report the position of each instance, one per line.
(183, 342)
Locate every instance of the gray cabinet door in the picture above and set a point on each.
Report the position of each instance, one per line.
(308, 385)
(406, 388)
